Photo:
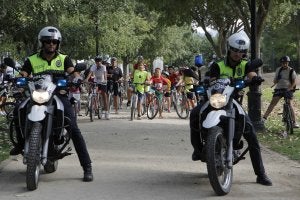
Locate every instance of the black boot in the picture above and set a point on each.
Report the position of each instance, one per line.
(87, 174)
(16, 150)
(264, 180)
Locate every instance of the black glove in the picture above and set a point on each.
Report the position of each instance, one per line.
(257, 80)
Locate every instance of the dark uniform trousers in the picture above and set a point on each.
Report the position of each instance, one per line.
(249, 135)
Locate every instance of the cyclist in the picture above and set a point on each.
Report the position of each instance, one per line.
(140, 61)
(285, 80)
(115, 77)
(140, 78)
(157, 81)
(167, 90)
(233, 65)
(187, 78)
(49, 39)
(98, 71)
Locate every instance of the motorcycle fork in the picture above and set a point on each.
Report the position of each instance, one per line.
(49, 123)
(230, 134)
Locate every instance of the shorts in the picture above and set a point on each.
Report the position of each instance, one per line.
(282, 93)
(102, 88)
(167, 94)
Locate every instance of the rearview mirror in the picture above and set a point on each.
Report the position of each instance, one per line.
(80, 67)
(9, 62)
(255, 63)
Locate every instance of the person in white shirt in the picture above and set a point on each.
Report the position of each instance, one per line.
(98, 70)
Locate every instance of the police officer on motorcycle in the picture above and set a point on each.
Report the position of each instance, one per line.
(49, 59)
(233, 64)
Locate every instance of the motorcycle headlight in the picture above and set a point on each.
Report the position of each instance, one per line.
(217, 100)
(41, 96)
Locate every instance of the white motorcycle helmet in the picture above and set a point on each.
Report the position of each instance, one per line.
(238, 41)
(49, 32)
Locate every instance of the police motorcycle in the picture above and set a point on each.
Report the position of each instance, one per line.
(42, 124)
(222, 124)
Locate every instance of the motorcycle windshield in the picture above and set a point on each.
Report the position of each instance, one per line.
(42, 83)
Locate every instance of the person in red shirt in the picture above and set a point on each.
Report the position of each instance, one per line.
(173, 76)
(157, 81)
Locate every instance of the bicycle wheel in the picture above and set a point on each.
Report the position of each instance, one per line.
(91, 108)
(153, 107)
(182, 107)
(8, 107)
(133, 106)
(110, 101)
(100, 106)
(287, 113)
(144, 106)
(87, 106)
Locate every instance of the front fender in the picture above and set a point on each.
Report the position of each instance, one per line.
(213, 118)
(37, 113)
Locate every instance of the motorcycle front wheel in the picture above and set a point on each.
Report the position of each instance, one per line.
(220, 176)
(33, 157)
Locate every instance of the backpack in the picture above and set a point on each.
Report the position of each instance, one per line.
(290, 75)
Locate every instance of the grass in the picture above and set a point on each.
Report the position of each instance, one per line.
(273, 137)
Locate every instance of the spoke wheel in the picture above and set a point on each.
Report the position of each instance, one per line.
(220, 176)
(152, 108)
(182, 107)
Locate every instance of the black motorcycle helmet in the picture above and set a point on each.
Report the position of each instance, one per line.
(285, 59)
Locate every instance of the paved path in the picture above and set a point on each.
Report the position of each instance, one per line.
(147, 160)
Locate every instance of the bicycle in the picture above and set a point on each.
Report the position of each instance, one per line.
(134, 101)
(93, 106)
(181, 103)
(287, 113)
(154, 103)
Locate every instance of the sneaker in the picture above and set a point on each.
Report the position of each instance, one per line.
(139, 117)
(128, 103)
(295, 125)
(107, 116)
(102, 115)
(264, 180)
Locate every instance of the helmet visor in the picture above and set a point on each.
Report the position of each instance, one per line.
(237, 50)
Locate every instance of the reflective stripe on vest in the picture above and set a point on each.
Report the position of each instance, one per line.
(227, 72)
(40, 65)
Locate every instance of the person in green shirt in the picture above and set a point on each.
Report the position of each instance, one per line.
(140, 79)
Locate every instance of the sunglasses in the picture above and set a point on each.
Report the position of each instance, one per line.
(237, 50)
(50, 41)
